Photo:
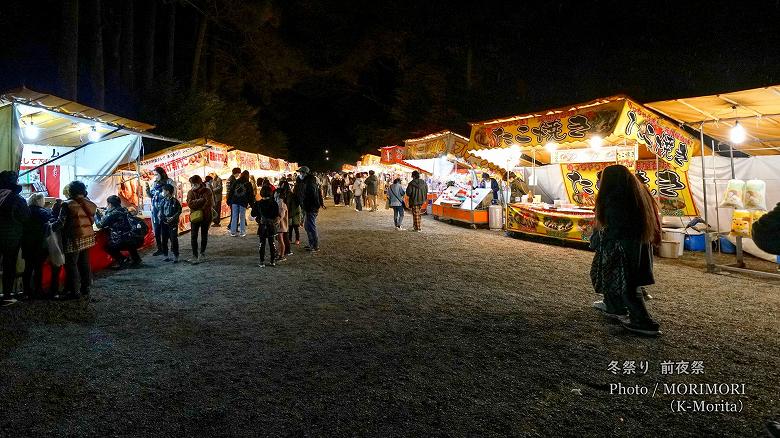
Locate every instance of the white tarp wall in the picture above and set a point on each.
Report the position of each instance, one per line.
(94, 164)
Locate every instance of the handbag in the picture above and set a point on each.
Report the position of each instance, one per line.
(608, 269)
(196, 216)
(55, 249)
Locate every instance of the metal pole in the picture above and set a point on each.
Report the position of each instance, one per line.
(707, 244)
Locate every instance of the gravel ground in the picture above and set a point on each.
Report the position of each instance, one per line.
(382, 333)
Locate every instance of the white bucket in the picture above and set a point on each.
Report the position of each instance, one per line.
(670, 249)
(677, 235)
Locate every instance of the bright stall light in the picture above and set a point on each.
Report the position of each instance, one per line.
(596, 142)
(551, 146)
(737, 134)
(326, 151)
(31, 131)
(93, 135)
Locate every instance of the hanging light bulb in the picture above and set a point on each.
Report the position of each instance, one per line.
(31, 131)
(596, 142)
(737, 134)
(93, 135)
(551, 146)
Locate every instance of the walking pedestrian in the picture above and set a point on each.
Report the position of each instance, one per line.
(417, 193)
(357, 191)
(266, 212)
(241, 196)
(311, 202)
(372, 187)
(280, 196)
(170, 211)
(347, 189)
(200, 200)
(121, 237)
(235, 175)
(155, 195)
(295, 215)
(75, 220)
(395, 193)
(35, 247)
(216, 190)
(337, 188)
(628, 225)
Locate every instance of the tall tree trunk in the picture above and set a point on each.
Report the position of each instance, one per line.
(97, 76)
(211, 68)
(69, 50)
(171, 42)
(128, 53)
(151, 27)
(198, 50)
(114, 61)
(469, 67)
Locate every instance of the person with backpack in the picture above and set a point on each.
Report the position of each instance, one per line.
(14, 213)
(266, 212)
(154, 192)
(75, 221)
(200, 200)
(35, 248)
(235, 175)
(417, 192)
(170, 211)
(395, 194)
(122, 235)
(241, 196)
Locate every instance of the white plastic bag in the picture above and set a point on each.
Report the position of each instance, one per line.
(734, 196)
(755, 195)
(56, 255)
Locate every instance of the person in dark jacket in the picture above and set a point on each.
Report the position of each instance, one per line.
(241, 196)
(154, 192)
(170, 211)
(234, 176)
(337, 187)
(35, 249)
(628, 226)
(492, 184)
(372, 189)
(14, 213)
(417, 193)
(766, 231)
(200, 198)
(310, 196)
(266, 212)
(121, 238)
(75, 220)
(216, 190)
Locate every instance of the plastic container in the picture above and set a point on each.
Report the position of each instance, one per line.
(496, 217)
(726, 247)
(695, 242)
(677, 235)
(669, 249)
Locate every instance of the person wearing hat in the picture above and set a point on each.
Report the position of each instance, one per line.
(13, 215)
(116, 219)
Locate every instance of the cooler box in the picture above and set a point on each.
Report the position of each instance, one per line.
(496, 217)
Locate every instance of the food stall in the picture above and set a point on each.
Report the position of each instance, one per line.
(52, 141)
(738, 181)
(561, 152)
(451, 178)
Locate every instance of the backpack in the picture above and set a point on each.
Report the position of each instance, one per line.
(138, 228)
(240, 190)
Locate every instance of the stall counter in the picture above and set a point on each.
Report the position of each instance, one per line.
(574, 224)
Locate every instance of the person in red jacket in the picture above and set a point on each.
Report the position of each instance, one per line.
(199, 199)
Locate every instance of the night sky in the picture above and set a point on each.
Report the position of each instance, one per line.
(354, 76)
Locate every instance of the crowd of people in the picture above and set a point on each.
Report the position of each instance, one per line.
(627, 216)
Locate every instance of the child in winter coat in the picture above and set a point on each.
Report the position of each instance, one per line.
(169, 212)
(266, 213)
